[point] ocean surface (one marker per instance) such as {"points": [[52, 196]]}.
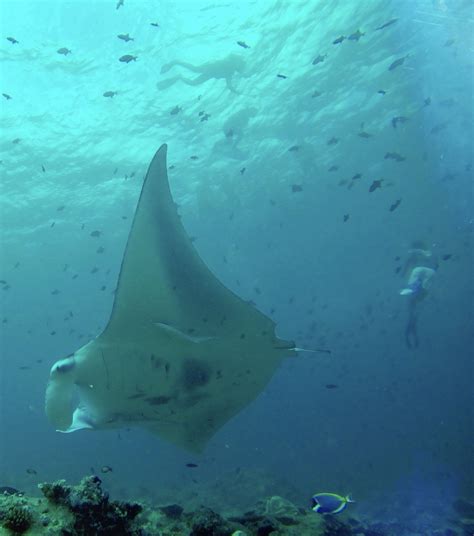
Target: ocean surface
{"points": [[315, 149]]}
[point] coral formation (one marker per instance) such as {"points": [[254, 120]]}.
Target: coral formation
{"points": [[17, 518], [85, 509]]}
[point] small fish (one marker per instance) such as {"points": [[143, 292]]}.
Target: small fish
{"points": [[331, 386], [192, 465], [448, 43], [393, 206], [381, 92], [7, 96], [356, 36], [376, 184], [397, 63], [96, 234], [427, 101], [339, 40], [106, 469], [316, 94], [446, 257], [296, 188], [363, 134], [332, 141], [31, 471], [242, 44], [329, 503], [294, 148], [61, 208], [357, 176], [398, 119], [387, 24], [16, 140], [64, 51], [100, 249], [125, 37], [398, 269], [155, 24], [127, 58], [435, 130], [394, 156], [43, 168], [319, 59], [346, 217], [194, 157], [12, 40], [110, 94], [282, 76], [119, 4], [175, 110], [333, 168], [242, 170]]}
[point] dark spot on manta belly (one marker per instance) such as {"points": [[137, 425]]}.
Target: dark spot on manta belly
{"points": [[194, 374]]}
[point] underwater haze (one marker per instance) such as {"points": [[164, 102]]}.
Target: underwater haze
{"points": [[319, 152]]}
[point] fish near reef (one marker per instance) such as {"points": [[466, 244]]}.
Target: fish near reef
{"points": [[329, 503]]}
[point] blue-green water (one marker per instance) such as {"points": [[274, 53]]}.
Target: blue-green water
{"points": [[280, 204]]}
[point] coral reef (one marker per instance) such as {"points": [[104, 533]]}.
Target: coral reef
{"points": [[17, 518], [85, 509]]}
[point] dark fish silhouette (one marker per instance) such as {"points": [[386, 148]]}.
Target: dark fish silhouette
{"points": [[356, 36], [397, 63], [296, 188], [387, 24], [110, 94], [346, 217], [319, 59], [125, 37], [393, 206], [339, 40], [96, 234], [333, 168], [294, 148], [398, 119], [316, 94], [332, 141], [8, 97], [449, 42], [376, 184], [381, 92], [175, 110], [127, 58], [64, 51], [357, 176], [192, 465], [155, 24], [119, 4], [364, 134], [446, 257], [427, 101], [281, 76], [242, 44], [394, 156], [12, 40]]}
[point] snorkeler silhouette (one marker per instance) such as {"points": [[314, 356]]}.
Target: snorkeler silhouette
{"points": [[224, 68], [420, 266]]}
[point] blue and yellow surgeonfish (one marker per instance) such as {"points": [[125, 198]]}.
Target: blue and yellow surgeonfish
{"points": [[330, 503]]}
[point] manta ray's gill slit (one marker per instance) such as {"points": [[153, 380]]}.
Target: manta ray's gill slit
{"points": [[106, 370]]}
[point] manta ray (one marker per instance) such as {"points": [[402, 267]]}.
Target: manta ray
{"points": [[181, 354]]}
